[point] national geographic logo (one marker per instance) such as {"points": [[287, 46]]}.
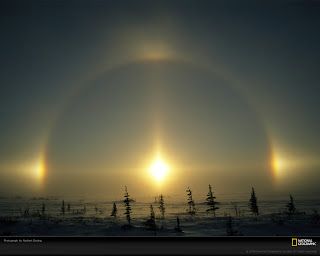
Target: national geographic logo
{"points": [[302, 242]]}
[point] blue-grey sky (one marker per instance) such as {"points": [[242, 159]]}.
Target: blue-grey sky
{"points": [[226, 91]]}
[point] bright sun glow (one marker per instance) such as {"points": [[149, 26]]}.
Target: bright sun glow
{"points": [[159, 170], [278, 164], [39, 169]]}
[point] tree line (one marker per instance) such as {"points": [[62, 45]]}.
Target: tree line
{"points": [[210, 201], [212, 206]]}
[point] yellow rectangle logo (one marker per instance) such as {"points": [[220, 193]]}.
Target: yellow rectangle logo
{"points": [[294, 241]]}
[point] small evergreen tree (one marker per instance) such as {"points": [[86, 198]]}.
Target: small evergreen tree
{"points": [[178, 228], [43, 209], [315, 217], [253, 203], [236, 209], [63, 208], [26, 212], [68, 207], [151, 222], [127, 205], [152, 215], [211, 202], [291, 206], [161, 206], [191, 204], [229, 227], [114, 211]]}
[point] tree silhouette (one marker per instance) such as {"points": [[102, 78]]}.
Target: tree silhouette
{"points": [[68, 207], [253, 203], [291, 206], [63, 208], [191, 204], [152, 216], [151, 222], [161, 206], [127, 205], [178, 228], [229, 227], [236, 209], [211, 202], [43, 209], [315, 217], [26, 212], [114, 211]]}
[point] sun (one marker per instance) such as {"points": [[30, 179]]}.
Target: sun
{"points": [[39, 170], [159, 170]]}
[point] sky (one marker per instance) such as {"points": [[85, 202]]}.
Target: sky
{"points": [[93, 93]]}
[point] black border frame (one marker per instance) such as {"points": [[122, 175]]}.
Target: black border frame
{"points": [[157, 245]]}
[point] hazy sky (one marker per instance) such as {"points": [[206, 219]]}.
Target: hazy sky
{"points": [[225, 92]]}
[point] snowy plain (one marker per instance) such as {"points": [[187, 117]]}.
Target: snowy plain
{"points": [[92, 218]]}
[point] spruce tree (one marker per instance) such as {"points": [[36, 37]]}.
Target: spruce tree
{"points": [[236, 209], [127, 206], [191, 204], [63, 208], [211, 202], [253, 203], [43, 209], [229, 227], [114, 211], [161, 206], [151, 222], [152, 217], [178, 227], [291, 206]]}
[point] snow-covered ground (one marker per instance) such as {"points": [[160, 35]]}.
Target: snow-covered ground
{"points": [[96, 220]]}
